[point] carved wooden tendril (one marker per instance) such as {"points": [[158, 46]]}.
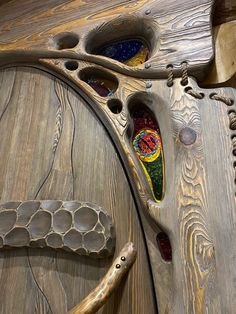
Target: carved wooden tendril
{"points": [[97, 298]]}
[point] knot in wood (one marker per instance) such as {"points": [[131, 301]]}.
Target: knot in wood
{"points": [[187, 136]]}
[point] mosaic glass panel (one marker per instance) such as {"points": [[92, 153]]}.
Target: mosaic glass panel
{"points": [[131, 52], [148, 148], [103, 87]]}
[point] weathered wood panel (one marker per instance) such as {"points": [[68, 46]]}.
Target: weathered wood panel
{"points": [[85, 166]]}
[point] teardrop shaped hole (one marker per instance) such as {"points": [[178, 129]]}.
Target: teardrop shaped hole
{"points": [[115, 105], [65, 41], [71, 65]]}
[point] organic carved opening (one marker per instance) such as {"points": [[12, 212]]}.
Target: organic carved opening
{"points": [[71, 65], [129, 40], [164, 246], [104, 83], [147, 144], [115, 105], [66, 41]]}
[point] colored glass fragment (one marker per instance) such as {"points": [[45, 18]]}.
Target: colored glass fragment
{"points": [[102, 86], [132, 52], [164, 246], [139, 58], [148, 148]]}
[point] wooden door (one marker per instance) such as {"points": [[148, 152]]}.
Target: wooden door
{"points": [[53, 146]]}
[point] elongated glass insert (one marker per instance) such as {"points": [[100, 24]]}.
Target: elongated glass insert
{"points": [[131, 52], [102, 86], [148, 148], [164, 246], [102, 82]]}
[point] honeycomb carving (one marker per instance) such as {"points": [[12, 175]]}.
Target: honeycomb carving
{"points": [[83, 228]]}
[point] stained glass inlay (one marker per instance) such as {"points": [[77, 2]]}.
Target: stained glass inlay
{"points": [[148, 147], [131, 52], [103, 87], [164, 245]]}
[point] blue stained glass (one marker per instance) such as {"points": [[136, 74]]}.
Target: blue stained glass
{"points": [[122, 50]]}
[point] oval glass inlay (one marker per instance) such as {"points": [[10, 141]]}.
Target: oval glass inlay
{"points": [[131, 52], [103, 82], [102, 86], [148, 148]]}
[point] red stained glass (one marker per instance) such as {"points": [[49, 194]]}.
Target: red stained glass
{"points": [[164, 246]]}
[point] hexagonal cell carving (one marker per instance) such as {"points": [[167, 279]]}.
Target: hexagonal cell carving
{"points": [[17, 237], [85, 219], [73, 205], [94, 241], [40, 224], [25, 211], [7, 220], [73, 239], [51, 206], [81, 227], [54, 240], [62, 221], [10, 205]]}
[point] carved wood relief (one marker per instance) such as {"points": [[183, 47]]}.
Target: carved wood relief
{"points": [[136, 65], [82, 228]]}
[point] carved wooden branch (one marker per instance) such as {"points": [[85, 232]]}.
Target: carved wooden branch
{"points": [[97, 298], [83, 228]]}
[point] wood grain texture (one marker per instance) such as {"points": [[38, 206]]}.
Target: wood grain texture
{"points": [[42, 281], [176, 31], [198, 213]]}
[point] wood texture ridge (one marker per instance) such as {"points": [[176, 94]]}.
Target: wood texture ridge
{"points": [[171, 28], [109, 283], [83, 228]]}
